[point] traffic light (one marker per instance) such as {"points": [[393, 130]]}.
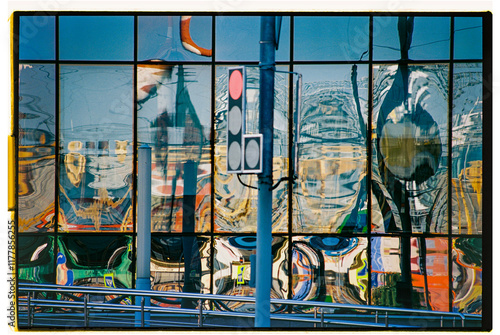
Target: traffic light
{"points": [[252, 153], [235, 119]]}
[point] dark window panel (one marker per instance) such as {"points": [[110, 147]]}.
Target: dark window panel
{"points": [[95, 260], [232, 271], [180, 264], [96, 38], [467, 266], [332, 269], [36, 259], [37, 38]]}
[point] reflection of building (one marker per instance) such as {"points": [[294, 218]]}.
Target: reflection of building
{"points": [[366, 222]]}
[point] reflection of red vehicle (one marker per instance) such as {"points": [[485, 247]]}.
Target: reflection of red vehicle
{"points": [[436, 277]]}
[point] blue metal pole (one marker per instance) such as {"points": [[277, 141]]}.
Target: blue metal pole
{"points": [[265, 196], [143, 281]]}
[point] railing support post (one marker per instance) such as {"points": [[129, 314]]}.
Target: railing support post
{"points": [[142, 311], [200, 315], [85, 311], [376, 316], [386, 319], [315, 316], [322, 317], [29, 310]]}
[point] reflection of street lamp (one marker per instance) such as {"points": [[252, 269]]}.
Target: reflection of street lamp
{"points": [[143, 281]]}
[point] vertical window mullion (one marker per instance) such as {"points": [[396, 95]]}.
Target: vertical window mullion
{"points": [[369, 157], [451, 65]]}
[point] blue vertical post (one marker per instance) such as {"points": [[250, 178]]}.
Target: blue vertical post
{"points": [[265, 195], [143, 281]]}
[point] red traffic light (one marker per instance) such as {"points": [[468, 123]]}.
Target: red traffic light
{"points": [[236, 84]]}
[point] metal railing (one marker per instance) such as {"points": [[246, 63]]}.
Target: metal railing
{"points": [[55, 306]]}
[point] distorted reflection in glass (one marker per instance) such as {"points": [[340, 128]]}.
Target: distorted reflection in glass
{"points": [[233, 271], [98, 38], [175, 38], [180, 264], [338, 38], [330, 192], [467, 270], [36, 259], [236, 204], [96, 261], [430, 277], [467, 149], [237, 38], [36, 169], [331, 269], [96, 135], [385, 271], [410, 109], [37, 37], [468, 42], [174, 119]]}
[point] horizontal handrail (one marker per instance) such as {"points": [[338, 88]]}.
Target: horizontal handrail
{"points": [[199, 312]]}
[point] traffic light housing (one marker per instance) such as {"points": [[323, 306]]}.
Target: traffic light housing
{"points": [[235, 118]]}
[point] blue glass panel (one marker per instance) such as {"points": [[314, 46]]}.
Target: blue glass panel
{"points": [[331, 38], [160, 38], [238, 37], [107, 38], [431, 38], [175, 120], [467, 164], [96, 134], [426, 38], [36, 147], [37, 37], [468, 38], [330, 192]]}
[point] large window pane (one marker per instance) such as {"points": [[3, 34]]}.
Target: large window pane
{"points": [[467, 164], [330, 193], [468, 38], [319, 38], [180, 264], [36, 147], [95, 260], [467, 269], [232, 271], [410, 124], [331, 269], [105, 38], [159, 38], [237, 38], [96, 148], [36, 259], [236, 204], [174, 119], [37, 37], [424, 38]]}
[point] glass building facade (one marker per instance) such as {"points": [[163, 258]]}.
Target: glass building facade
{"points": [[386, 207]]}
